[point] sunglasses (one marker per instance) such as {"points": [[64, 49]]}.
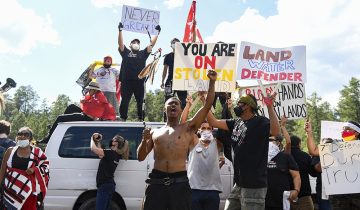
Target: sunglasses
{"points": [[23, 133]]}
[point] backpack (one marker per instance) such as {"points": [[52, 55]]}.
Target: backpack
{"points": [[5, 143]]}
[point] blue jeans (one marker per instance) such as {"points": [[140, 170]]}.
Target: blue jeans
{"points": [[205, 200], [323, 204], [246, 199], [103, 196]]}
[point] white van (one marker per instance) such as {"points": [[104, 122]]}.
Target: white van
{"points": [[73, 167]]}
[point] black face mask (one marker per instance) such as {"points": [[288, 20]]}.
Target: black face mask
{"points": [[107, 65], [238, 110]]}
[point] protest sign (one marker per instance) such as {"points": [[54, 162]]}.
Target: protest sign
{"points": [[290, 101], [340, 163], [137, 19], [257, 62], [192, 60], [331, 129]]}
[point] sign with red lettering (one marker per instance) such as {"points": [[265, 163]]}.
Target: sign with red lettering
{"points": [[290, 99], [257, 62], [192, 60], [138, 19]]}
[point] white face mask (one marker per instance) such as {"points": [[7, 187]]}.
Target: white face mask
{"points": [[206, 135], [173, 46], [135, 46], [23, 143]]}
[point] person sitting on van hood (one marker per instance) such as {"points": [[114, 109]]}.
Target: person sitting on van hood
{"points": [[119, 149], [94, 106]]}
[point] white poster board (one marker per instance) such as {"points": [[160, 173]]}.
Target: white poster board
{"points": [[331, 129], [192, 60], [340, 163], [290, 100], [274, 65], [137, 19]]}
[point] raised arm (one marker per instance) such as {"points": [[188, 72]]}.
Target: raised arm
{"points": [[120, 37], [274, 123], [285, 134], [91, 71], [154, 39], [95, 145], [199, 117], [146, 145], [313, 149], [165, 71], [185, 113]]}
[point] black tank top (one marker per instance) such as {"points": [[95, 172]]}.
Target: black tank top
{"points": [[20, 162]]}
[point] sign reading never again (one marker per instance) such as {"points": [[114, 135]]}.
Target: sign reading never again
{"points": [[290, 99], [192, 60], [137, 19]]}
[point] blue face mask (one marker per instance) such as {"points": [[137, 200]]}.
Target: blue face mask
{"points": [[23, 143]]}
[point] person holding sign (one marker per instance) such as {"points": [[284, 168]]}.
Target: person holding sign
{"points": [[133, 61], [351, 131], [168, 185], [169, 71], [250, 143]]}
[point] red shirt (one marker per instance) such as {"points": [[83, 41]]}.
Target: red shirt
{"points": [[98, 106]]}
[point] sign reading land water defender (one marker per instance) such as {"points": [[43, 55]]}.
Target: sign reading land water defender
{"points": [[257, 62], [137, 19], [192, 61], [290, 101]]}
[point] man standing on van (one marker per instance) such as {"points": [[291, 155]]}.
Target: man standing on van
{"points": [[168, 186], [119, 149]]}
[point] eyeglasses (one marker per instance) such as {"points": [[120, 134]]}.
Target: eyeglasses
{"points": [[23, 133]]}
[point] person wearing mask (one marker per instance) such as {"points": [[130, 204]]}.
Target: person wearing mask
{"points": [[305, 167], [25, 172], [109, 160], [107, 77], [350, 132], [168, 73], [281, 166], [250, 144], [133, 61]]}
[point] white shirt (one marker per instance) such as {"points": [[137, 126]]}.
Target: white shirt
{"points": [[106, 78], [203, 169]]}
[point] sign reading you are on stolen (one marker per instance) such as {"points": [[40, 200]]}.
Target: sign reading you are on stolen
{"points": [[193, 60], [340, 163], [137, 19]]}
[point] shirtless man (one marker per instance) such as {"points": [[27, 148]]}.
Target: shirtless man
{"points": [[168, 186]]}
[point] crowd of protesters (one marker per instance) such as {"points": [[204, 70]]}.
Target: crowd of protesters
{"points": [[268, 173]]}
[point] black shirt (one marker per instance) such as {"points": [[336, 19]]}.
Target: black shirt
{"points": [[132, 64], [278, 178], [169, 60], [250, 143], [107, 167], [304, 162]]}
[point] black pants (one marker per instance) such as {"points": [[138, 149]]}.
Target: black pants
{"points": [[128, 88], [176, 196]]}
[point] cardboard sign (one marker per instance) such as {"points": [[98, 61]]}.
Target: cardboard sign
{"points": [[137, 19], [331, 129], [192, 60], [290, 101], [257, 62], [340, 163]]}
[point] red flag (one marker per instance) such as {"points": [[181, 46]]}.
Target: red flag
{"points": [[189, 27]]}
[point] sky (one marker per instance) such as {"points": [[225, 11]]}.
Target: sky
{"points": [[48, 44]]}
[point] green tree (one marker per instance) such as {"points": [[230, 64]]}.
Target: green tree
{"points": [[349, 103], [25, 99]]}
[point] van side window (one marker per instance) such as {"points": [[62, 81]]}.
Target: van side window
{"points": [[76, 141]]}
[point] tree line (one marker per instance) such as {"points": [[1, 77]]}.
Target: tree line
{"points": [[24, 108]]}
